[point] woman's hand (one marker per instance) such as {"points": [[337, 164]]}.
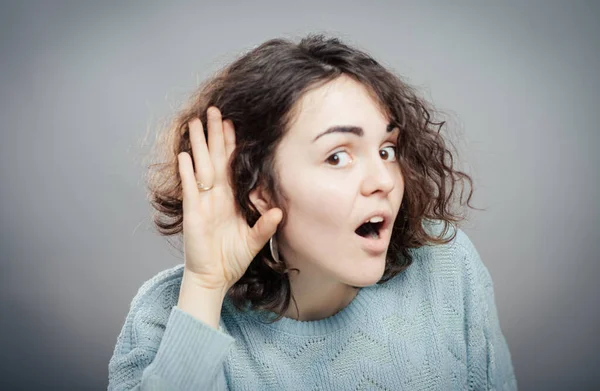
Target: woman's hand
{"points": [[218, 243]]}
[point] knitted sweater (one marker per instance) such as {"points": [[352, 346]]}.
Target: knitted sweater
{"points": [[434, 326]]}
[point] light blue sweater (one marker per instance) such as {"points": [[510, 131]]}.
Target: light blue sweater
{"points": [[432, 327]]}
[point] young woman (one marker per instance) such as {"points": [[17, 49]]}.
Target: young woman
{"points": [[308, 173]]}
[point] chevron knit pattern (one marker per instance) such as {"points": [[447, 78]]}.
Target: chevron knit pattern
{"points": [[432, 327]]}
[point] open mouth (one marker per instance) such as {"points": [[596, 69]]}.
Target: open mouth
{"points": [[369, 230]]}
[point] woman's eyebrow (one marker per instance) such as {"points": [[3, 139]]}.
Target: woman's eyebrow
{"points": [[357, 130]]}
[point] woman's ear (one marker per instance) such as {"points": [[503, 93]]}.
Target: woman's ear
{"points": [[260, 200]]}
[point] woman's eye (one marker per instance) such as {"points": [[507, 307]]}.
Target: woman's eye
{"points": [[336, 159], [386, 155]]}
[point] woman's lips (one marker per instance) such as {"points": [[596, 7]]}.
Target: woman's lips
{"points": [[375, 245]]}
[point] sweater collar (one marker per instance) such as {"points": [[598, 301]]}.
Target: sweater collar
{"points": [[355, 312]]}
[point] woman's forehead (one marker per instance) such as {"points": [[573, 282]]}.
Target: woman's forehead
{"points": [[342, 101]]}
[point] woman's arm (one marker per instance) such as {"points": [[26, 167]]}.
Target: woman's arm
{"points": [[161, 347], [489, 361]]}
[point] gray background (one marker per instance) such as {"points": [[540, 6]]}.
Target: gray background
{"points": [[84, 87]]}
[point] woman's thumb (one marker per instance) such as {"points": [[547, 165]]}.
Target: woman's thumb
{"points": [[266, 226]]}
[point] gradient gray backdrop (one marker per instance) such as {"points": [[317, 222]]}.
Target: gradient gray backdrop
{"points": [[81, 83]]}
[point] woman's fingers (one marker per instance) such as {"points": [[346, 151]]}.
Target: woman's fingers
{"points": [[229, 134], [211, 157], [188, 181], [204, 167], [216, 143]]}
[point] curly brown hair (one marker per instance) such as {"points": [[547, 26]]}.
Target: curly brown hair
{"points": [[258, 93]]}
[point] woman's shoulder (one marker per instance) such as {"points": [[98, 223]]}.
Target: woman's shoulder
{"points": [[162, 279], [159, 293], [456, 259], [148, 314]]}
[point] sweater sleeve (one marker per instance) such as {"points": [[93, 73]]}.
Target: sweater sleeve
{"points": [[489, 361], [161, 347]]}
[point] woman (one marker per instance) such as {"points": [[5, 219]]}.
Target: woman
{"points": [[320, 179]]}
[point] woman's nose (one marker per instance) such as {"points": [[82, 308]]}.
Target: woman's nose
{"points": [[378, 176]]}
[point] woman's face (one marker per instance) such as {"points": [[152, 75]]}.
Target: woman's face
{"points": [[333, 182]]}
